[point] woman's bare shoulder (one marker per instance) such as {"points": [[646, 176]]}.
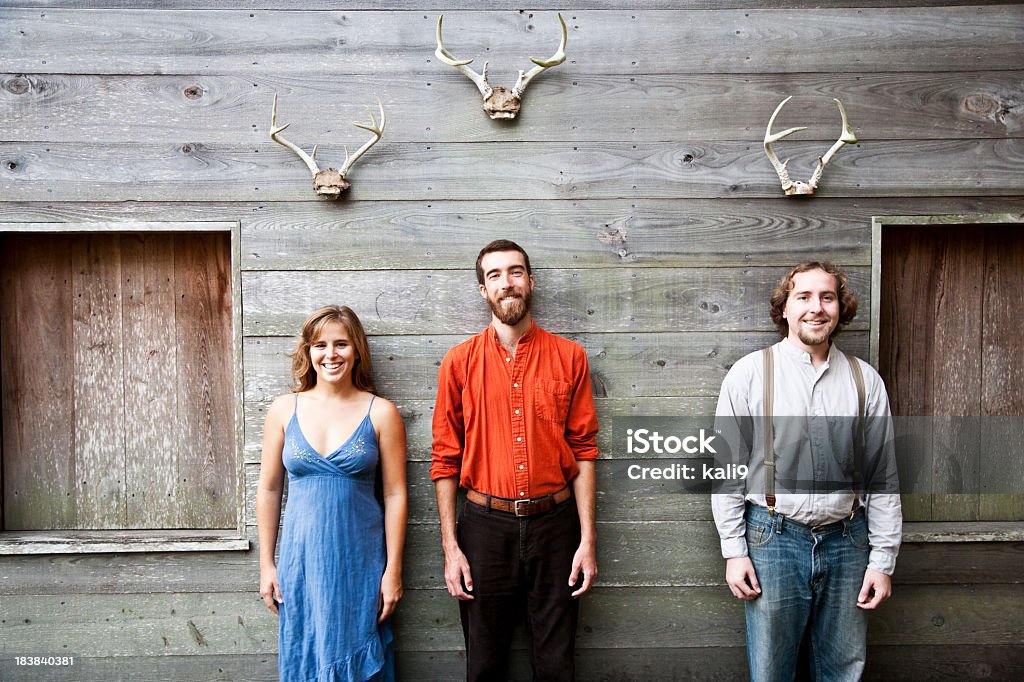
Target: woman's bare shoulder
{"points": [[384, 410], [281, 407]]}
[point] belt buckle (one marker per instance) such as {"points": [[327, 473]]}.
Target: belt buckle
{"points": [[521, 502]]}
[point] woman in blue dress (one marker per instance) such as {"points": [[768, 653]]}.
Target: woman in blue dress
{"points": [[339, 574]]}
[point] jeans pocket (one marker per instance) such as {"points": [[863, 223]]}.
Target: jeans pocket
{"points": [[758, 536], [857, 533]]}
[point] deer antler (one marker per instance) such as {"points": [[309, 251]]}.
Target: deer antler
{"points": [[847, 136], [462, 65], [790, 186], [330, 182], [542, 65], [373, 128], [275, 135]]}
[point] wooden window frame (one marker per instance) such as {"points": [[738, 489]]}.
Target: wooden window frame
{"points": [[172, 540], [935, 531]]}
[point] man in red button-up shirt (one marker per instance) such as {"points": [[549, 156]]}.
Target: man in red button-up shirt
{"points": [[515, 425]]}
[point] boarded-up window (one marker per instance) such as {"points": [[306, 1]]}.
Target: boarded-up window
{"points": [[950, 351], [117, 381]]}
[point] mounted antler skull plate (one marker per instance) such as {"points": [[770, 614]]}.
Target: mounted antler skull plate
{"points": [[499, 101], [329, 183], [796, 187]]}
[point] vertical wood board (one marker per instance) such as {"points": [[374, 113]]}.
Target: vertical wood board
{"points": [[38, 388], [151, 451], [98, 364], [204, 383]]}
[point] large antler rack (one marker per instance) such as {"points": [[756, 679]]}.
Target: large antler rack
{"points": [[796, 187], [499, 101], [330, 182]]}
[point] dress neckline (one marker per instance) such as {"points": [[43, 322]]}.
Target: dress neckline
{"points": [[298, 425]]}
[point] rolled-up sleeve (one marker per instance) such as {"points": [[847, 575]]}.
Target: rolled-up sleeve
{"points": [[447, 423], [581, 423]]}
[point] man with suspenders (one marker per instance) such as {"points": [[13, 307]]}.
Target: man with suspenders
{"points": [[810, 537]]}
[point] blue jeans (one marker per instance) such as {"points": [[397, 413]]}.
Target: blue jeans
{"points": [[810, 578]]}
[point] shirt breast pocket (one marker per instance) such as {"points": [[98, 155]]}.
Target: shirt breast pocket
{"points": [[552, 400]]}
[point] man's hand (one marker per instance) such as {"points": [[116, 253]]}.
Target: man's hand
{"points": [[742, 580], [876, 589], [456, 572], [585, 561]]}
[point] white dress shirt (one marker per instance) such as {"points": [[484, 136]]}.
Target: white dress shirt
{"points": [[805, 398]]}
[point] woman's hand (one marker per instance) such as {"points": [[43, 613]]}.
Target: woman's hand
{"points": [[390, 594], [270, 590]]}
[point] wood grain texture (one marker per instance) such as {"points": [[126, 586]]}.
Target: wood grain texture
{"points": [[98, 362], [912, 664], [1002, 347], [117, 466], [151, 462], [36, 343], [381, 235], [487, 5], [381, 43], [78, 171], [945, 300], [206, 462], [444, 107], [597, 233], [565, 300], [1002, 374]]}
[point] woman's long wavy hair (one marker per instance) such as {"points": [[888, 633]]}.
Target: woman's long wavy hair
{"points": [[303, 373], [847, 299]]}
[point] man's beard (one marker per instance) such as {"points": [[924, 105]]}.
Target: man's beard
{"points": [[514, 311], [814, 338]]}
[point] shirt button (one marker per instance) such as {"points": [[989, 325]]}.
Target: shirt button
{"points": [[508, 359], [521, 466], [517, 411], [519, 439], [515, 385], [522, 494]]}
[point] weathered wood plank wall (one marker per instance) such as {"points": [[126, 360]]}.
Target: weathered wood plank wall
{"points": [[636, 178]]}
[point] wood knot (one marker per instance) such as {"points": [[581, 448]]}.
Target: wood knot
{"points": [[186, 149], [981, 104], [18, 85], [193, 92]]}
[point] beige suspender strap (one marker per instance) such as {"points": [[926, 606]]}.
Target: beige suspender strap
{"points": [[769, 434], [858, 440], [769, 430]]}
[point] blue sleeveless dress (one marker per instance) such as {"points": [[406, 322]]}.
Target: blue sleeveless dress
{"points": [[331, 561]]}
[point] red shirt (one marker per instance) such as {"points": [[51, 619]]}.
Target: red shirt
{"points": [[513, 427]]}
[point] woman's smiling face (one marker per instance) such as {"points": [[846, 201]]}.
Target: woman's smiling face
{"points": [[332, 354]]}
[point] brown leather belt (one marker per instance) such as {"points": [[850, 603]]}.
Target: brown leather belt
{"points": [[536, 505]]}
